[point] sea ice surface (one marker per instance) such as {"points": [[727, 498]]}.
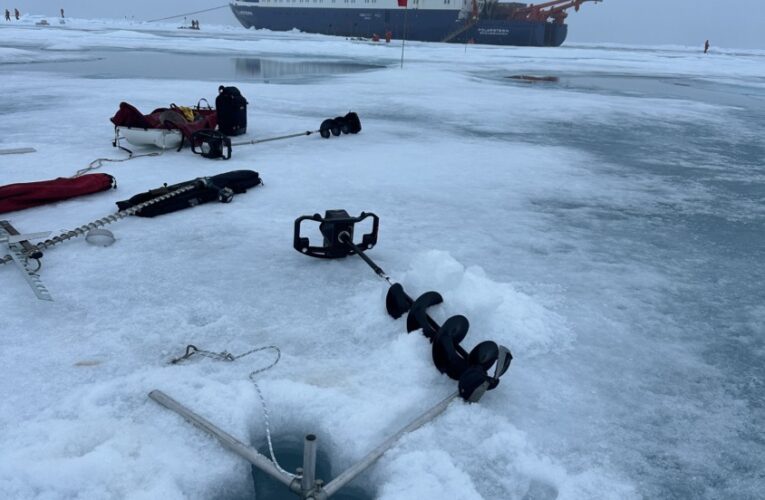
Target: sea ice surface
{"points": [[608, 227]]}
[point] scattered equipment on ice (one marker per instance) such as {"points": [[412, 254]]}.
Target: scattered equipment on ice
{"points": [[155, 202], [207, 130], [470, 369]]}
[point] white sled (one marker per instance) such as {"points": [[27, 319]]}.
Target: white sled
{"points": [[159, 137]]}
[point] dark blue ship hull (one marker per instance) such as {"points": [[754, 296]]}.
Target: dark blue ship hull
{"points": [[422, 25]]}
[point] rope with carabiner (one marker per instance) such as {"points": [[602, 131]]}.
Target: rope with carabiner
{"points": [[192, 350]]}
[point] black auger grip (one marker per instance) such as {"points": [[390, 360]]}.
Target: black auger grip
{"points": [[337, 228]]}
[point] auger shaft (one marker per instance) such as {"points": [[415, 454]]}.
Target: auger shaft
{"points": [[258, 141], [346, 238]]}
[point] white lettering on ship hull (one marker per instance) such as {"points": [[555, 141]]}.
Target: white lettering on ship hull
{"points": [[493, 31]]}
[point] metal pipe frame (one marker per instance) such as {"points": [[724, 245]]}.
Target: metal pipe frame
{"points": [[227, 440], [308, 481], [260, 141], [307, 487], [349, 474]]}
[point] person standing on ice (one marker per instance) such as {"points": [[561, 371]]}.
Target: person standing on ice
{"points": [[62, 13], [7, 15], [706, 46], [16, 13]]}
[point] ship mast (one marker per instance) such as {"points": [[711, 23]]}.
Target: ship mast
{"points": [[555, 10]]}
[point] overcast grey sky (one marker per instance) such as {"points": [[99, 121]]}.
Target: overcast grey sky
{"points": [[738, 23]]}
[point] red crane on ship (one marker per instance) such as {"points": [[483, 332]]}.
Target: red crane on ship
{"points": [[555, 10]]}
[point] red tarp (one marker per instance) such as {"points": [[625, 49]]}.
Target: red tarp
{"points": [[31, 194], [129, 116]]}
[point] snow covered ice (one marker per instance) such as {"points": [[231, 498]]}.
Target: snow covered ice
{"points": [[607, 227]]}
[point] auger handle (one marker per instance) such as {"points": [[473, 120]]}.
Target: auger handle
{"points": [[335, 249]]}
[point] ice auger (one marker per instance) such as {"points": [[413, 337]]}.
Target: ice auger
{"points": [[214, 144], [470, 369]]}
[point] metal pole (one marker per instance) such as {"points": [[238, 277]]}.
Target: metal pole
{"points": [[17, 151], [227, 440], [309, 465], [403, 40], [258, 141], [368, 460]]}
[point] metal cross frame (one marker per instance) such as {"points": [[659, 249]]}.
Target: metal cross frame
{"points": [[21, 251]]}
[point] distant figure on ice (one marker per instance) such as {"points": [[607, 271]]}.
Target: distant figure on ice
{"points": [[62, 13], [16, 13], [706, 46], [7, 15]]}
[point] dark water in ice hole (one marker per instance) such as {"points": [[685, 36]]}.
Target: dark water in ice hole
{"points": [[289, 453], [218, 68]]}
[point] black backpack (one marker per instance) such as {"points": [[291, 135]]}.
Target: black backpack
{"points": [[231, 107]]}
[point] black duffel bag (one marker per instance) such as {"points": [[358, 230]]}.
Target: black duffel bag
{"points": [[231, 107], [221, 187]]}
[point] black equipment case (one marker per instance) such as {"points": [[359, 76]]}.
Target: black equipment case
{"points": [[232, 111]]}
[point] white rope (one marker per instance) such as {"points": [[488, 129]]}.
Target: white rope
{"points": [[99, 162], [225, 356]]}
